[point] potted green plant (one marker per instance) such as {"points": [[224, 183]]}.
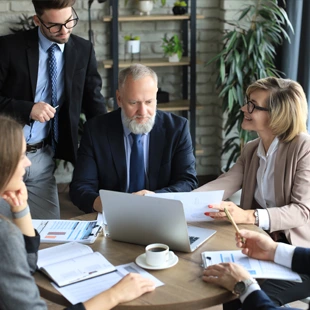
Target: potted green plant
{"points": [[163, 2], [146, 6], [172, 47], [179, 8], [132, 44], [247, 54]]}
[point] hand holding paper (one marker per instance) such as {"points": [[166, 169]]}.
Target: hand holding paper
{"points": [[195, 204], [239, 215]]}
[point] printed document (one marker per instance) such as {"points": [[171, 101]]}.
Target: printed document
{"points": [[82, 291], [60, 231], [195, 204], [258, 269]]}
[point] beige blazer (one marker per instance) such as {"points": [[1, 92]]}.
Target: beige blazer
{"points": [[291, 184]]}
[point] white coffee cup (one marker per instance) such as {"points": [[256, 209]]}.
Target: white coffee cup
{"points": [[157, 254]]}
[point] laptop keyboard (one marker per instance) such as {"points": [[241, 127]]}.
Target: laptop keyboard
{"points": [[192, 239]]}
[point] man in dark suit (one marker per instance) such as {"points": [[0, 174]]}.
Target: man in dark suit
{"points": [[106, 157], [26, 93], [236, 279]]}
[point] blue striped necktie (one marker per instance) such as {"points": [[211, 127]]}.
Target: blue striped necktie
{"points": [[53, 82], [137, 177]]}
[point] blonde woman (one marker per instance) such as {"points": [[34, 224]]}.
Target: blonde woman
{"points": [[19, 243], [273, 172]]}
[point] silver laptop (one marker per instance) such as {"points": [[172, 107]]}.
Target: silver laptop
{"points": [[144, 220]]}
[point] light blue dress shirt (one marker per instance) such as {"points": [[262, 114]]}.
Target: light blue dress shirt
{"points": [[37, 131]]}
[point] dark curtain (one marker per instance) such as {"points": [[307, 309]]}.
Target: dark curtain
{"points": [[293, 59]]}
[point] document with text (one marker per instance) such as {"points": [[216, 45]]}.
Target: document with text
{"points": [[60, 231], [258, 269], [82, 291], [195, 204]]}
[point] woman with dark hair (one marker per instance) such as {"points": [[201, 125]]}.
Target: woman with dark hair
{"points": [[19, 243], [273, 172]]}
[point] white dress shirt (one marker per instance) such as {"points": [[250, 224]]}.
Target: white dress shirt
{"points": [[283, 256], [265, 192]]}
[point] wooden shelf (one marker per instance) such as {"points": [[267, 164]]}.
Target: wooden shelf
{"points": [[137, 18], [189, 61], [150, 62], [199, 150], [175, 105]]}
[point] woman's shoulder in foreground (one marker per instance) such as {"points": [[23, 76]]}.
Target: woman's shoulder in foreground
{"points": [[5, 224], [8, 230]]}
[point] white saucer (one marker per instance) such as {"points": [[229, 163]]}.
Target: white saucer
{"points": [[140, 261]]}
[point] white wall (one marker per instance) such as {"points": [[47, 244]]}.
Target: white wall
{"points": [[209, 119]]}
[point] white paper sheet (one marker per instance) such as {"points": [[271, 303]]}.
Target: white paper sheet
{"points": [[195, 204], [82, 291]]}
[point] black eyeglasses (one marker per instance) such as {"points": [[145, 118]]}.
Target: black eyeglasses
{"points": [[251, 106], [57, 27]]}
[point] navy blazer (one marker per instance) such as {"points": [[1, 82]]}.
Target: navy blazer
{"points": [[19, 62], [258, 300], [101, 162]]}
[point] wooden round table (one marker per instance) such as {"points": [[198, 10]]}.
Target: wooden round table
{"points": [[183, 289]]}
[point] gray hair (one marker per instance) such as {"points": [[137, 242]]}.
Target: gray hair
{"points": [[137, 71]]}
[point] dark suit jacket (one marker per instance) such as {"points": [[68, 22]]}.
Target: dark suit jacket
{"points": [[258, 300], [19, 60], [101, 162]]}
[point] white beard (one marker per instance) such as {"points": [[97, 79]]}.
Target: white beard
{"points": [[136, 128]]}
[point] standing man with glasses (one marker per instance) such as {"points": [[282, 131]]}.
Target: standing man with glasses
{"points": [[47, 77], [273, 172]]}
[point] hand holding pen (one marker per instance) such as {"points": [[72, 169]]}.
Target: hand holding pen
{"points": [[234, 223], [42, 112], [258, 245]]}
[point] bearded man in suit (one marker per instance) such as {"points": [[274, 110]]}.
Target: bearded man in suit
{"points": [[108, 159]]}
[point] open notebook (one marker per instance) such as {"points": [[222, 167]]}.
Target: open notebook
{"points": [[72, 262]]}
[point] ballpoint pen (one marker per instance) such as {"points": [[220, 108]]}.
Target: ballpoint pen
{"points": [[233, 222]]}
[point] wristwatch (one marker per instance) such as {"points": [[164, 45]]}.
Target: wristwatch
{"points": [[256, 217], [242, 286]]}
